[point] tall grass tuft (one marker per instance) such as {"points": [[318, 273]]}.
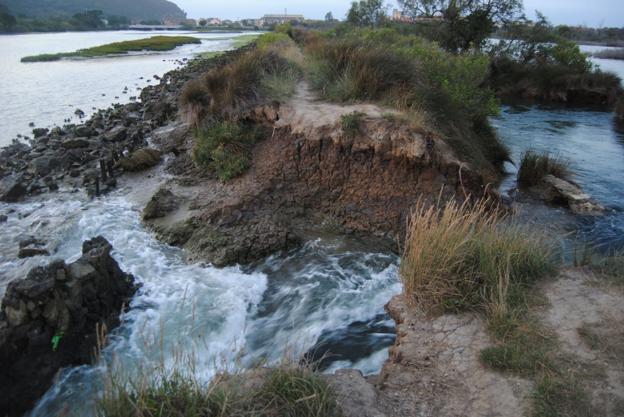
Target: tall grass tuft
{"points": [[463, 256], [287, 391], [266, 74], [534, 167]]}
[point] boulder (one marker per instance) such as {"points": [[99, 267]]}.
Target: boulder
{"points": [[116, 134], [566, 193], [75, 143], [3, 218], [48, 321], [11, 189], [161, 203], [140, 160], [39, 132], [44, 165], [84, 131]]}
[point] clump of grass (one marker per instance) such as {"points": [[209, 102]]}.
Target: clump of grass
{"points": [[559, 397], [155, 43], [351, 123], [284, 392], [462, 257], [224, 147], [257, 77], [534, 167]]}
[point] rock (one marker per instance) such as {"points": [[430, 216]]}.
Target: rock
{"points": [[76, 143], [31, 252], [3, 218], [65, 302], [355, 396], [116, 134], [32, 247], [11, 189], [161, 203], [140, 160], [44, 165], [84, 131], [39, 132], [562, 192]]}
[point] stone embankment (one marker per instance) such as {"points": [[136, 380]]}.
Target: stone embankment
{"points": [[53, 319]]}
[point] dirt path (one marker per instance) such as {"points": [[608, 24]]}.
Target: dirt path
{"points": [[588, 317]]}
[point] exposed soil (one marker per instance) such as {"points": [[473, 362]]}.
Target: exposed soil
{"points": [[588, 317], [309, 174]]}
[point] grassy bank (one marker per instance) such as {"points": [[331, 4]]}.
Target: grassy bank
{"points": [[155, 43], [470, 257], [442, 93]]}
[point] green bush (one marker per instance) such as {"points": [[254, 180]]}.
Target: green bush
{"points": [[224, 147]]}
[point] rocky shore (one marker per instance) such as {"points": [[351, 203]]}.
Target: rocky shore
{"points": [[56, 317]]}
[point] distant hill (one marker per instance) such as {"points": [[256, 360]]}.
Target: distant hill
{"points": [[135, 10]]}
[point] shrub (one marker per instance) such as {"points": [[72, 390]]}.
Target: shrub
{"points": [[284, 392], [534, 167], [224, 147], [610, 54], [255, 77], [351, 123], [462, 256]]}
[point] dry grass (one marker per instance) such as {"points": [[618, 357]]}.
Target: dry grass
{"points": [[263, 75], [534, 167], [287, 391], [461, 256]]}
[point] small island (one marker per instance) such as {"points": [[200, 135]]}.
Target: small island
{"points": [[155, 43]]}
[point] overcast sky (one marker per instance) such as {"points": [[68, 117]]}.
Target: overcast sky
{"points": [[583, 12]]}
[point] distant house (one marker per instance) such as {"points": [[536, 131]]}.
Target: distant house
{"points": [[213, 21], [190, 22], [278, 19], [400, 16]]}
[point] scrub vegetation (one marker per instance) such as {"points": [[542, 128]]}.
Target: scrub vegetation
{"points": [[155, 43]]}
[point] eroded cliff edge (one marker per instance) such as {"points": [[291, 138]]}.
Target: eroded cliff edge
{"points": [[306, 176]]}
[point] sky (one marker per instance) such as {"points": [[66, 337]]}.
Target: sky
{"points": [[595, 13]]}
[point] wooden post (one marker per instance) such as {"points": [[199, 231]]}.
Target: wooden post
{"points": [[97, 186], [103, 170]]}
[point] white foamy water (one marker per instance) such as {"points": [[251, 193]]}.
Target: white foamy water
{"points": [[227, 318]]}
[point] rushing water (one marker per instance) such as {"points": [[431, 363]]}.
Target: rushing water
{"points": [[46, 93], [326, 297]]}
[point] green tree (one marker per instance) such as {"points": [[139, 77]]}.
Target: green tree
{"points": [[203, 22], [7, 20], [91, 19], [329, 17], [367, 13], [467, 23]]}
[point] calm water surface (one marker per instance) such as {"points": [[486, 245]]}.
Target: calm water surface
{"points": [[46, 93]]}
